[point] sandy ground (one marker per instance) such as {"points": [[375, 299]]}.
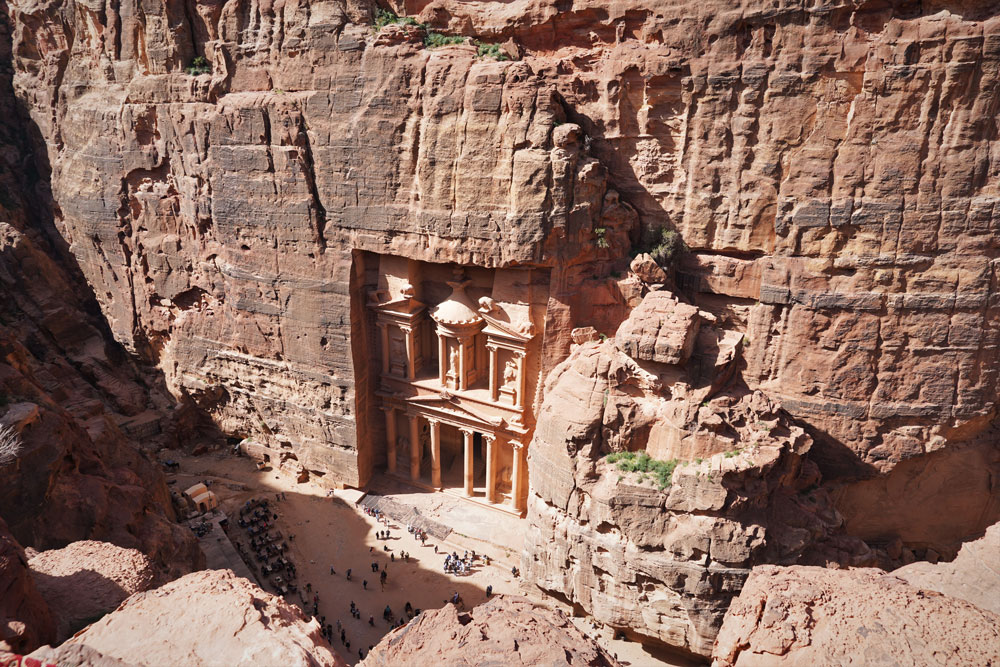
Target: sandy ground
{"points": [[330, 530]]}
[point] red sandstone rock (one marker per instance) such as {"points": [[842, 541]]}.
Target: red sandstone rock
{"points": [[973, 576], [209, 617], [818, 616], [661, 329], [829, 170], [505, 630], [87, 579], [665, 563], [25, 620]]}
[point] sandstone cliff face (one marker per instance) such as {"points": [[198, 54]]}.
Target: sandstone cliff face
{"points": [[816, 616], [503, 631], [210, 617], [64, 385], [829, 164], [664, 563]]}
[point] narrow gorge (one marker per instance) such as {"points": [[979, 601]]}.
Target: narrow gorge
{"points": [[681, 318]]}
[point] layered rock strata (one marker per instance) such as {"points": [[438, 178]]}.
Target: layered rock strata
{"points": [[68, 471], [817, 616], [826, 163], [505, 630], [209, 617], [663, 562]]}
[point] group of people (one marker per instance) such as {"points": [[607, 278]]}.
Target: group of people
{"points": [[418, 534], [267, 546], [459, 566]]}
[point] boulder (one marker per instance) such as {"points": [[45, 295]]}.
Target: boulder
{"points": [[503, 631], [816, 616], [647, 270], [209, 617], [85, 580], [661, 329]]}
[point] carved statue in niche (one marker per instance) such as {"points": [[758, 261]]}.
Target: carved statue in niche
{"points": [[453, 360], [509, 373], [397, 349]]}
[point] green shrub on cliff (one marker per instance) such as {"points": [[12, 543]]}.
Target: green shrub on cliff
{"points": [[643, 463], [663, 245], [434, 39], [491, 51], [199, 66]]}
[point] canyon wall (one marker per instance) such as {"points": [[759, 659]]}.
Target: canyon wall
{"points": [[68, 469], [831, 166]]}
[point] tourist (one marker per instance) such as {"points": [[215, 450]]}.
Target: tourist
{"points": [[332, 571], [489, 590], [364, 584], [348, 574], [371, 620], [361, 654]]}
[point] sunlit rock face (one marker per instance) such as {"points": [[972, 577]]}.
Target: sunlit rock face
{"points": [[830, 167]]}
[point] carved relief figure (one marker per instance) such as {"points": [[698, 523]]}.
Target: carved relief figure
{"points": [[509, 373], [453, 360]]}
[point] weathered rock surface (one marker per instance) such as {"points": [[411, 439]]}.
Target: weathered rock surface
{"points": [[75, 655], [25, 619], [819, 616], [827, 165], [209, 617], [974, 575], [503, 631], [64, 383], [663, 564], [85, 580]]}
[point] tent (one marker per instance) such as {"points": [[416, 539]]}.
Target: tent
{"points": [[202, 498]]}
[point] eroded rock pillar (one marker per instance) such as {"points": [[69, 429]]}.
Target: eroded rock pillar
{"points": [[469, 461], [435, 453], [491, 468], [414, 447], [390, 439]]}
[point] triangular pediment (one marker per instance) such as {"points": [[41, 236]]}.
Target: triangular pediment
{"points": [[506, 329], [452, 403]]}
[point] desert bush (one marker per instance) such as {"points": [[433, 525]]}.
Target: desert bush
{"points": [[644, 464], [199, 66], [434, 39], [491, 51], [10, 444]]}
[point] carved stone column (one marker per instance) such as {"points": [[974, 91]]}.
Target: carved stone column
{"points": [[491, 467], [384, 329], [414, 447], [469, 478], [520, 380], [411, 353], [435, 453], [390, 438], [443, 360], [517, 478], [494, 362], [463, 377]]}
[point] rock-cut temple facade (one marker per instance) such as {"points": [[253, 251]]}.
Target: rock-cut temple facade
{"points": [[457, 375]]}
